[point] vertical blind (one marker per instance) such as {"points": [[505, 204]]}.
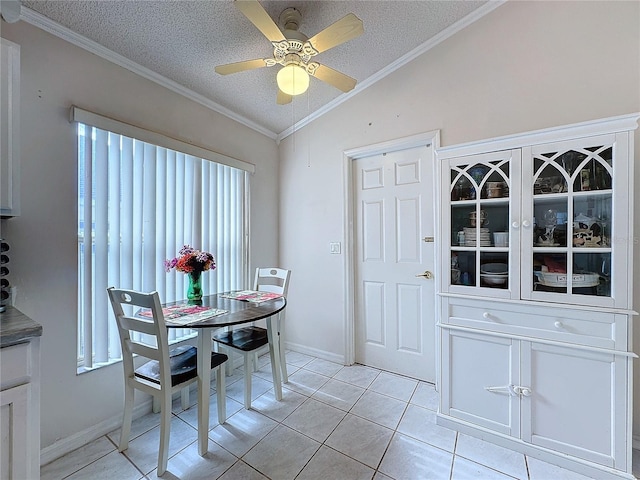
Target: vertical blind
{"points": [[138, 204]]}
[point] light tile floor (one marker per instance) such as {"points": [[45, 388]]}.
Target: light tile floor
{"points": [[334, 423]]}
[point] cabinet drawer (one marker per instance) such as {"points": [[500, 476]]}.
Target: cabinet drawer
{"points": [[15, 365], [598, 329]]}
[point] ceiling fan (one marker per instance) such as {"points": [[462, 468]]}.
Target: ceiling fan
{"points": [[294, 50]]}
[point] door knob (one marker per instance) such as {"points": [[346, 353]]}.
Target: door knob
{"points": [[427, 274]]}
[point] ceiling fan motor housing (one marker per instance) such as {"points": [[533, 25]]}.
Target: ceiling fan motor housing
{"points": [[290, 19]]}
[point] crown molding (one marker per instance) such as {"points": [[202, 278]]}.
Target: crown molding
{"points": [[461, 24], [40, 21]]}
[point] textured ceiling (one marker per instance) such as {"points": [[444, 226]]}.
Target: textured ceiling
{"points": [[184, 40]]}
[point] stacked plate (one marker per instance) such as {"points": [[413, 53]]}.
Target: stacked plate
{"points": [[470, 239]]}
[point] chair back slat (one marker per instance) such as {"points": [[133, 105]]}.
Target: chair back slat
{"points": [[144, 350], [138, 325], [158, 346], [274, 280]]}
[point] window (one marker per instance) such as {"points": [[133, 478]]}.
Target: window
{"points": [[138, 204]]}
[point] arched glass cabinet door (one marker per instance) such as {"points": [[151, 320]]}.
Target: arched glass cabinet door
{"points": [[482, 248], [574, 216]]}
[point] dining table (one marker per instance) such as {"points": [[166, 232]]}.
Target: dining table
{"points": [[219, 311]]}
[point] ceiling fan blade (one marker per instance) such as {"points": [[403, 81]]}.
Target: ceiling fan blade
{"points": [[261, 19], [333, 77], [240, 66], [345, 29], [283, 98]]}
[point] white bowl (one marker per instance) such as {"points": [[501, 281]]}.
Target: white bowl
{"points": [[492, 279], [495, 268]]}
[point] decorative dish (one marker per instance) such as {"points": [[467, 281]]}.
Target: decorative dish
{"points": [[549, 279]]}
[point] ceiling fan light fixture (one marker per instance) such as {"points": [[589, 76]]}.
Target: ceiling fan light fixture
{"points": [[293, 80]]}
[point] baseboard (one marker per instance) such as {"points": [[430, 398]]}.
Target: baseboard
{"points": [[314, 352], [80, 439]]}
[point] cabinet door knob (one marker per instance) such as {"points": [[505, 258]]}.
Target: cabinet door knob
{"points": [[487, 315], [515, 225], [526, 224], [525, 391], [558, 324]]}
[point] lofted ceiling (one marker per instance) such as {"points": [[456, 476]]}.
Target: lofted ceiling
{"points": [[178, 43]]}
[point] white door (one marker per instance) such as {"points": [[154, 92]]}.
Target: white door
{"points": [[394, 307]]}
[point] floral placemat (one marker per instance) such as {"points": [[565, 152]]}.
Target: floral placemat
{"points": [[185, 313], [251, 296]]}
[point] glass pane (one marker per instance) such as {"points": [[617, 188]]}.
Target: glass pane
{"points": [[595, 172], [496, 184], [550, 222], [493, 219], [478, 172], [461, 188], [494, 270], [550, 272], [549, 179], [460, 221], [592, 221], [592, 274], [466, 268], [570, 161]]}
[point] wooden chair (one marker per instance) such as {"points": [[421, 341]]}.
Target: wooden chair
{"points": [[167, 372], [249, 340]]}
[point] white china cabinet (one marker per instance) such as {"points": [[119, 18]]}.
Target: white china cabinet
{"points": [[536, 293]]}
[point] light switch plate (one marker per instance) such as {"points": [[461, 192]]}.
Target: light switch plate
{"points": [[334, 248]]}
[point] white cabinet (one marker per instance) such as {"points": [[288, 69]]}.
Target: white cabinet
{"points": [[536, 293], [562, 398], [13, 420], [19, 397], [9, 128]]}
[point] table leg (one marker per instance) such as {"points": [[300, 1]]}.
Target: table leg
{"points": [[204, 388], [274, 353]]}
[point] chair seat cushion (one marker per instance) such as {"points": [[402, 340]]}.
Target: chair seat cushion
{"points": [[184, 365], [245, 339]]}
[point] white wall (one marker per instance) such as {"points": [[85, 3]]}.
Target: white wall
{"points": [[55, 75], [525, 66]]}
